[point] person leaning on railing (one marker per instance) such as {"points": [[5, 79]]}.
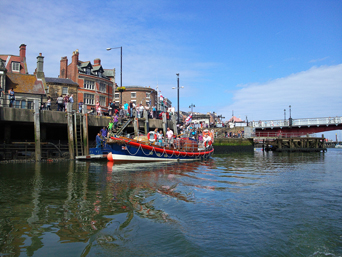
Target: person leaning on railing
{"points": [[11, 97]]}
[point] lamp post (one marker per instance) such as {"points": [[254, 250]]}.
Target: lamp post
{"points": [[284, 116], [214, 119], [290, 119], [191, 106], [108, 49], [177, 94]]}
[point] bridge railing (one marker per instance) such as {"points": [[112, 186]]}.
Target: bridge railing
{"points": [[297, 122], [264, 134]]}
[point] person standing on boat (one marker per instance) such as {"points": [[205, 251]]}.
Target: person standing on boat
{"points": [[160, 137], [104, 132], [169, 134], [98, 140]]}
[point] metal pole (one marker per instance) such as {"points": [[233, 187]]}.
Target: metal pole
{"points": [[290, 111], [178, 94], [121, 68]]}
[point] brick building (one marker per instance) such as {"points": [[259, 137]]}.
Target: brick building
{"points": [[16, 63], [13, 74], [138, 95], [95, 84]]}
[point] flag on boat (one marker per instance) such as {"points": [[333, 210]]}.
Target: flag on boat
{"points": [[189, 119]]}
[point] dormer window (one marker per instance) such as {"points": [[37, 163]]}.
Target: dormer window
{"points": [[99, 73], [16, 66], [88, 71]]}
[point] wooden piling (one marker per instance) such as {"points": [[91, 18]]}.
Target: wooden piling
{"points": [[164, 123], [36, 123], [70, 131], [85, 130], [147, 129], [175, 130]]}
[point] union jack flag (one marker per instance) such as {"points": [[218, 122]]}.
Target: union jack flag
{"points": [[188, 119]]}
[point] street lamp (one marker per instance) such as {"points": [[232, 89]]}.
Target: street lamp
{"points": [[284, 116], [191, 106], [108, 49], [290, 111], [177, 94], [290, 119]]}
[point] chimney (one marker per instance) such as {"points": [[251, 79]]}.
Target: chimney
{"points": [[40, 63], [63, 68], [22, 52], [74, 69], [97, 61]]}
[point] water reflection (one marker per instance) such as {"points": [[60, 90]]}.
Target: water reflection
{"points": [[76, 200], [90, 208]]}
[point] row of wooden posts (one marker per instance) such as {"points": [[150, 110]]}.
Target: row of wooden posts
{"points": [[71, 126]]}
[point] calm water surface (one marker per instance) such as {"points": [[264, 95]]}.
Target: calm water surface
{"points": [[254, 204]]}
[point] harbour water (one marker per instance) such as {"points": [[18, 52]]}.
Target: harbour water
{"points": [[253, 204]]}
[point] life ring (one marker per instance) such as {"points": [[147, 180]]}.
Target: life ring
{"points": [[152, 136], [207, 143]]}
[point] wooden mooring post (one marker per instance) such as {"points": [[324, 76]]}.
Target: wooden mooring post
{"points": [[296, 144], [36, 122]]}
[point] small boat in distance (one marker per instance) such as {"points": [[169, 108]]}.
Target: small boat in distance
{"points": [[338, 145]]}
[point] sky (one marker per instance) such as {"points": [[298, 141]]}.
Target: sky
{"points": [[250, 58]]}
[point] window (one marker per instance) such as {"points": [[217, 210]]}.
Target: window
{"points": [[135, 102], [88, 71], [16, 66], [16, 104], [133, 95], [88, 84], [30, 104], [64, 91], [117, 96], [99, 73], [148, 94], [89, 99], [102, 88], [102, 100], [23, 104]]}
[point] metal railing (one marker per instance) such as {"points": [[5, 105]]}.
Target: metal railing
{"points": [[297, 122], [264, 134]]}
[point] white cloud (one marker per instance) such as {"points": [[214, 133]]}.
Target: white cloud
{"points": [[313, 93]]}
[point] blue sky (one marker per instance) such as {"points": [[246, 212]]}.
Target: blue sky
{"points": [[251, 57]]}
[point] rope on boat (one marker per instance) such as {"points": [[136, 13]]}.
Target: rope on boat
{"points": [[205, 156], [135, 152]]}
